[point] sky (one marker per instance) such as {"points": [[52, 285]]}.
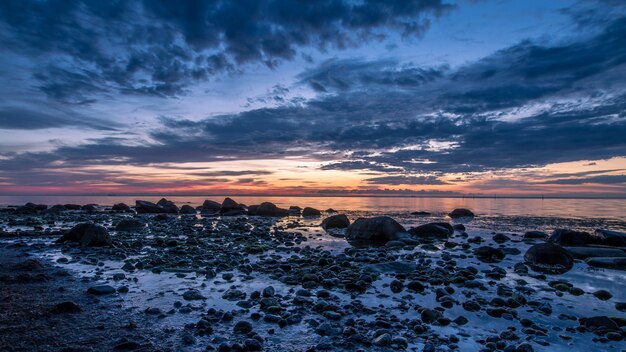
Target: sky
{"points": [[328, 97]]}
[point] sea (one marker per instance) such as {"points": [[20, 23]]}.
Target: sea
{"points": [[581, 208]]}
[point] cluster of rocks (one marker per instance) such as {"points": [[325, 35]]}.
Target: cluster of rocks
{"points": [[431, 259]]}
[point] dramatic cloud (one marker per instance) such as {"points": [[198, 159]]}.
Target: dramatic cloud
{"points": [[391, 121], [161, 47], [23, 119]]}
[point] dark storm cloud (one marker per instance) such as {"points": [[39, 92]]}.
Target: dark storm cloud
{"points": [[528, 105], [16, 118], [161, 47]]}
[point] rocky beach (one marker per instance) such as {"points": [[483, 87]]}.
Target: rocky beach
{"points": [[232, 277]]}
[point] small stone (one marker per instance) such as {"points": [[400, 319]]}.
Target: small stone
{"points": [[101, 290], [242, 327], [603, 295], [66, 307]]}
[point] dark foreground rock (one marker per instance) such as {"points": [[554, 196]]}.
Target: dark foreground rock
{"points": [[339, 221], [461, 213], [145, 207], [121, 207], [611, 238], [188, 209], [535, 235], [489, 254], [231, 208], [87, 234], [618, 263], [269, 209], [308, 211], [129, 225], [434, 229], [594, 252], [377, 229], [566, 237], [549, 258], [210, 207]]}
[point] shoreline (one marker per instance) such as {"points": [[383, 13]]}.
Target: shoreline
{"points": [[230, 277]]}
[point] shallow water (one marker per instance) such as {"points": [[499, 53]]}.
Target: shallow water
{"points": [[152, 290], [574, 208]]}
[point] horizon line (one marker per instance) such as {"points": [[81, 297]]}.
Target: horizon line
{"points": [[325, 196]]}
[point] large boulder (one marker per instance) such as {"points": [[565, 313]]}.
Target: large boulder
{"points": [[377, 229], [72, 206], [187, 209], [87, 234], [566, 237], [168, 206], [308, 211], [210, 207], [433, 229], [231, 208], [461, 213], [339, 221], [611, 238], [163, 207], [270, 209], [129, 225], [549, 258]]}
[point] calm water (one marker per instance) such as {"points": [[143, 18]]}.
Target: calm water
{"points": [[568, 208]]}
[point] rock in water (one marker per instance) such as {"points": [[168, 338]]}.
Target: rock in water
{"points": [[565, 237], [612, 238], [270, 209], [549, 258], [87, 234], [308, 211], [376, 229], [209, 207], [129, 225], [145, 207], [231, 208], [89, 208], [535, 234], [489, 254], [461, 213], [101, 290], [595, 252], [339, 221], [168, 206], [433, 229], [121, 207], [66, 307], [609, 263], [187, 209]]}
